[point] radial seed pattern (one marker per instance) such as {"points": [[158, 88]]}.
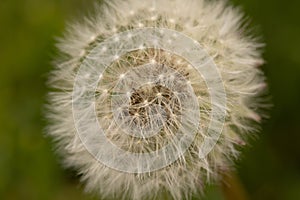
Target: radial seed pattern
{"points": [[155, 98]]}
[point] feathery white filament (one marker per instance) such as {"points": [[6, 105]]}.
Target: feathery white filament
{"points": [[155, 96]]}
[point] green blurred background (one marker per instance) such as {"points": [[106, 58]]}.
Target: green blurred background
{"points": [[29, 169]]}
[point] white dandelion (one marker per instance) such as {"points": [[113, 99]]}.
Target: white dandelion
{"points": [[155, 97]]}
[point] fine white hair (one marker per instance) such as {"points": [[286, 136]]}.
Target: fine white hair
{"points": [[159, 91]]}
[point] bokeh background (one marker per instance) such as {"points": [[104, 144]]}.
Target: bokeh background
{"points": [[29, 169]]}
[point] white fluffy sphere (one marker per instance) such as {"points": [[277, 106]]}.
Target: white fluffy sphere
{"points": [[155, 97]]}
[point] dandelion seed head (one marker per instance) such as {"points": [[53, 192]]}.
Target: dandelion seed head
{"points": [[155, 99]]}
